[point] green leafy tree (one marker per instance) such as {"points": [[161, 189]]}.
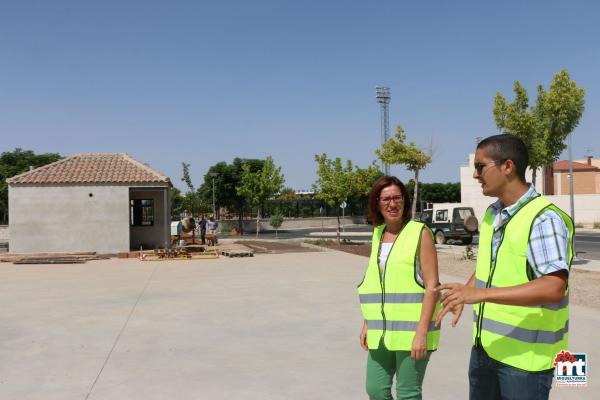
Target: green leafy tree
{"points": [[287, 194], [276, 221], [364, 179], [397, 151], [544, 126], [337, 182], [440, 192], [257, 187], [14, 163], [229, 177], [192, 200], [177, 206]]}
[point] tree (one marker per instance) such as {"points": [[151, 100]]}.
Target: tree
{"points": [[191, 200], [288, 194], [337, 183], [397, 151], [229, 177], [14, 163], [438, 192], [545, 126], [276, 221], [257, 187], [177, 205]]}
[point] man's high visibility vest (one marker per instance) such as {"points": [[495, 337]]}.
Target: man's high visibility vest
{"points": [[525, 337], [391, 304]]}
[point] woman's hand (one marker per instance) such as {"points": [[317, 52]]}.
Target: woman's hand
{"points": [[363, 337], [456, 311], [419, 346]]}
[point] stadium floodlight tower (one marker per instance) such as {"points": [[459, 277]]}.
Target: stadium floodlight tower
{"points": [[383, 97]]}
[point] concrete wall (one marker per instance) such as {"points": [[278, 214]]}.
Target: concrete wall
{"points": [[291, 223], [158, 235], [4, 233], [68, 219], [587, 207], [585, 182]]}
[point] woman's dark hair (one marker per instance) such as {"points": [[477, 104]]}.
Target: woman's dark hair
{"points": [[381, 183], [507, 147]]}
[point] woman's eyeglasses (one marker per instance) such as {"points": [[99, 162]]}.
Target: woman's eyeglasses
{"points": [[479, 167], [388, 200]]}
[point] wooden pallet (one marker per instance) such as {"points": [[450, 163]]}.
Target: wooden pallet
{"points": [[236, 250], [209, 238], [52, 258], [191, 252], [237, 253]]}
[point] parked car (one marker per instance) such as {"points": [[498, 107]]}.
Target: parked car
{"points": [[450, 221]]}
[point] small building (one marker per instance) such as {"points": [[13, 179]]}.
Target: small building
{"points": [[552, 182], [103, 202], [586, 177]]}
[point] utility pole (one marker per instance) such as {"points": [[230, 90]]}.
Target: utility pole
{"points": [[383, 97], [571, 194], [213, 175]]}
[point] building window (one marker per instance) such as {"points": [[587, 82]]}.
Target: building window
{"points": [[141, 212]]}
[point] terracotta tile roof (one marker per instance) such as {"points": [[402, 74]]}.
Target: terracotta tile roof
{"points": [[90, 169], [563, 165], [594, 161]]}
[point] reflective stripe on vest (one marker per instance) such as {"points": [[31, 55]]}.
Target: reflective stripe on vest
{"points": [[525, 337], [392, 304], [397, 325], [562, 304]]}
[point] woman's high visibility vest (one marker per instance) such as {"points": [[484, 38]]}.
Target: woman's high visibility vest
{"points": [[391, 304], [524, 337]]}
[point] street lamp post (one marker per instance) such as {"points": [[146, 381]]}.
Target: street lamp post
{"points": [[321, 215], [213, 175], [383, 97], [571, 190]]}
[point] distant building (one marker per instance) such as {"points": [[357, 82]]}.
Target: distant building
{"points": [[552, 182], [105, 202], [586, 177], [305, 193]]}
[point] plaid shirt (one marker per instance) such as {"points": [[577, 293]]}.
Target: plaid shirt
{"points": [[547, 250]]}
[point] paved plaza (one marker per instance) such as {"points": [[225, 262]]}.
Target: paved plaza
{"points": [[274, 326]]}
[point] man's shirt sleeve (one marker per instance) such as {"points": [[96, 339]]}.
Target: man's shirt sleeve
{"points": [[547, 250]]}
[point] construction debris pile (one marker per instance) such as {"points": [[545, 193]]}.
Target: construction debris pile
{"points": [[52, 258], [236, 250], [189, 252]]}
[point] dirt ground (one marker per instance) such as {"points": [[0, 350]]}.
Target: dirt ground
{"points": [[584, 284], [274, 247]]}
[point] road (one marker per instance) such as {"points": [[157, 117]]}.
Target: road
{"points": [[587, 245]]}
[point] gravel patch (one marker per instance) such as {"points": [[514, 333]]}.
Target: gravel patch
{"points": [[584, 284]]}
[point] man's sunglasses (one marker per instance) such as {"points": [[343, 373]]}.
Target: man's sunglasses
{"points": [[479, 167]]}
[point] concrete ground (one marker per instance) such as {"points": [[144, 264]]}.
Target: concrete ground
{"points": [[274, 326]]}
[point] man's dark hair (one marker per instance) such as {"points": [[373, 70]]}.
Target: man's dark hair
{"points": [[507, 147]]}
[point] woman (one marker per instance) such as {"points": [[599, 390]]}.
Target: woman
{"points": [[396, 295]]}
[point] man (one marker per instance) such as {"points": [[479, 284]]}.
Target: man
{"points": [[202, 225], [213, 226], [519, 290]]}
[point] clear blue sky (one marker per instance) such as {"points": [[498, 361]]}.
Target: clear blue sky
{"points": [[204, 82]]}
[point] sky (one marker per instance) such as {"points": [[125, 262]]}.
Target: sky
{"points": [[202, 82]]}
